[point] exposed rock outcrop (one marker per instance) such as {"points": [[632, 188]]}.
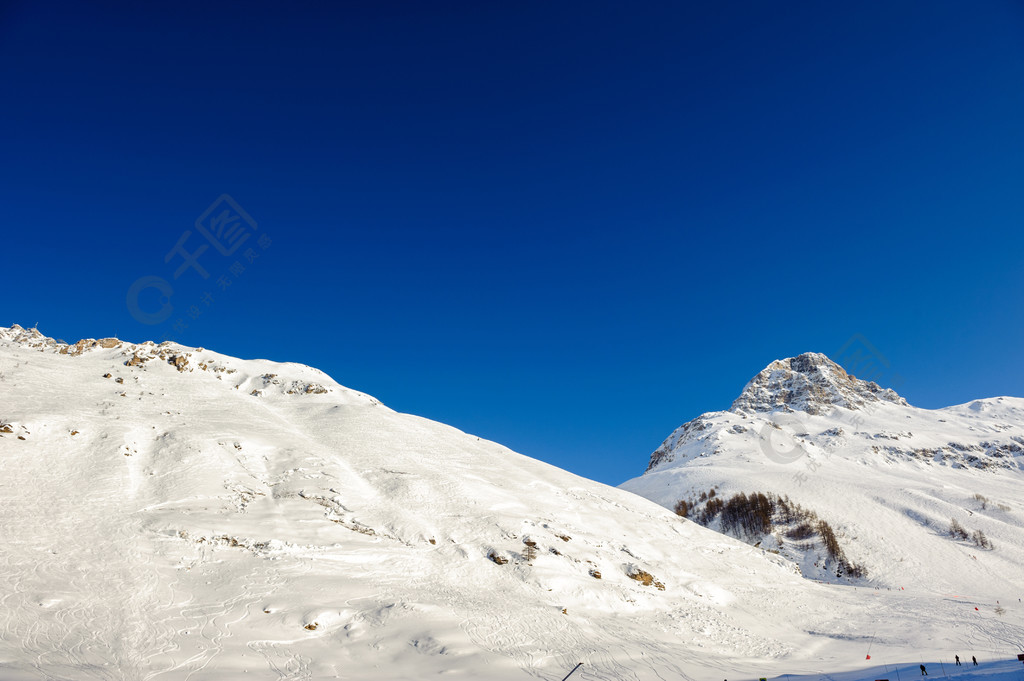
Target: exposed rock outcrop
{"points": [[811, 383]]}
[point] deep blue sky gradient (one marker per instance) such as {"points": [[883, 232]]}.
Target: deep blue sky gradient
{"points": [[567, 227]]}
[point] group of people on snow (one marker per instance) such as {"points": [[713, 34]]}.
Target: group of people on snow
{"points": [[924, 672]]}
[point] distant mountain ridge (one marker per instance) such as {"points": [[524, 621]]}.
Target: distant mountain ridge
{"points": [[860, 458], [813, 385]]}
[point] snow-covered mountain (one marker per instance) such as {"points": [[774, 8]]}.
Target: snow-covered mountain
{"points": [[889, 479], [173, 513]]}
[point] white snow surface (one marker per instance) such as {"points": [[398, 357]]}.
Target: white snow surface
{"points": [[173, 513]]}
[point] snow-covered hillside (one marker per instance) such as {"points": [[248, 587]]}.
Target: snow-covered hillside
{"points": [[889, 478], [174, 513]]}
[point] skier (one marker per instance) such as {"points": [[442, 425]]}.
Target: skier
{"points": [[957, 660], [975, 660], [924, 672]]}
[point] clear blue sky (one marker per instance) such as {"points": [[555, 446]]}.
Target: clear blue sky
{"points": [[568, 227]]}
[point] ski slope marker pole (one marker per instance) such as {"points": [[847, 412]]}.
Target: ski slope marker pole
{"points": [[573, 671]]}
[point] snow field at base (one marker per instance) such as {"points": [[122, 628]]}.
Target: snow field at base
{"points": [[175, 526], [932, 594]]}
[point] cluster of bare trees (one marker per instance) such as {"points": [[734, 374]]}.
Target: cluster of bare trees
{"points": [[751, 516], [978, 538]]}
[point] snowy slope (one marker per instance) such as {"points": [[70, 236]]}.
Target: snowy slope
{"points": [[174, 513], [888, 477]]}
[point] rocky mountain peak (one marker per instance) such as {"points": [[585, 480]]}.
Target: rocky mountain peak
{"points": [[811, 383], [17, 332], [36, 340]]}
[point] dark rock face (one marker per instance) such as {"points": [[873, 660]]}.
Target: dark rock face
{"points": [[811, 383], [688, 432]]}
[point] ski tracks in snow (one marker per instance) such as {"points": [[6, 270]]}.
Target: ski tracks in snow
{"points": [[68, 620], [512, 633], [1002, 636]]}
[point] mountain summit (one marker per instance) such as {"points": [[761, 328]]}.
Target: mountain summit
{"points": [[810, 383]]}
